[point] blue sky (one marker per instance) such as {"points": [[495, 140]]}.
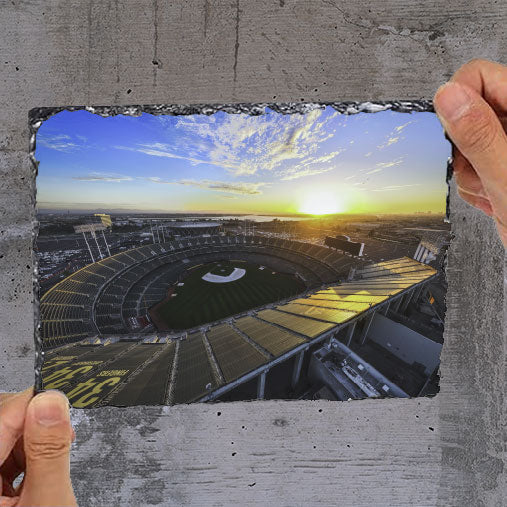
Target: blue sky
{"points": [[318, 162]]}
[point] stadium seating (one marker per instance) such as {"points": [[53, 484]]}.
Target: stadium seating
{"points": [[102, 296], [171, 368]]}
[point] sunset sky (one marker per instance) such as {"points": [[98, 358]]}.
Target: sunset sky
{"points": [[319, 162]]}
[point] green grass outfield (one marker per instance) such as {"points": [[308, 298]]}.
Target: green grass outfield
{"points": [[198, 301]]}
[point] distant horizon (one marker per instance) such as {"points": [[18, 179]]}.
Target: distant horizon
{"points": [[226, 213], [318, 163]]}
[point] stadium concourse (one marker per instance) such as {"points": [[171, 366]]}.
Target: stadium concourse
{"points": [[217, 359]]}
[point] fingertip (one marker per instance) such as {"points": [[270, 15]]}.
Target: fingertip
{"points": [[440, 89], [49, 408], [452, 100]]}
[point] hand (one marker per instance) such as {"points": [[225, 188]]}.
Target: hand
{"points": [[472, 108], [35, 438]]}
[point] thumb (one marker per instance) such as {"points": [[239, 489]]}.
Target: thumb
{"points": [[47, 439]]}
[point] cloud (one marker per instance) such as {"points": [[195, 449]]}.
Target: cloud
{"points": [[114, 178], [222, 186], [59, 142], [384, 165], [368, 154], [391, 140], [302, 169], [162, 150], [244, 144], [305, 172], [241, 188], [401, 127], [394, 136], [394, 187], [397, 161]]}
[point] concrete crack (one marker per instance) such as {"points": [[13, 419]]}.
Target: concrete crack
{"points": [[236, 45]]}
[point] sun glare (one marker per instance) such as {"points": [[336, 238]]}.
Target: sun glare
{"points": [[321, 203]]}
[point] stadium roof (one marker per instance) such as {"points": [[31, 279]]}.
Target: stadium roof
{"points": [[159, 369]]}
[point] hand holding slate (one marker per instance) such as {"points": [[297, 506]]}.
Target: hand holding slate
{"points": [[472, 108], [35, 438]]}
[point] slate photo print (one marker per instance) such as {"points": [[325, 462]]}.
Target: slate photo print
{"points": [[221, 255]]}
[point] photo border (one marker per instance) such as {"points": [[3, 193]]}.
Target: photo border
{"points": [[37, 116]]}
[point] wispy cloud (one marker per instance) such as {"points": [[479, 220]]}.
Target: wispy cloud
{"points": [[401, 127], [394, 136], [59, 142], [113, 178], [246, 145], [384, 165], [242, 188], [391, 163], [293, 175], [223, 186], [307, 167], [163, 150], [394, 187], [391, 140]]}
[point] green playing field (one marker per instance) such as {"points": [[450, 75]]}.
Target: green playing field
{"points": [[198, 301]]}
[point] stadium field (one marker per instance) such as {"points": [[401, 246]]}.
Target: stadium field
{"points": [[198, 301]]}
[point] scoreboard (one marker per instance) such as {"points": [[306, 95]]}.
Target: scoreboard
{"points": [[345, 245]]}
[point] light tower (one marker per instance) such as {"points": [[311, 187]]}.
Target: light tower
{"points": [[92, 229]]}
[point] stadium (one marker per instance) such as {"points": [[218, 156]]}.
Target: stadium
{"points": [[101, 297], [221, 317]]}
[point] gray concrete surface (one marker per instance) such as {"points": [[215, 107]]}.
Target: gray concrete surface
{"points": [[447, 450]]}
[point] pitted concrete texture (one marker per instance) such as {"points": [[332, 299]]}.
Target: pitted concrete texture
{"points": [[446, 450]]}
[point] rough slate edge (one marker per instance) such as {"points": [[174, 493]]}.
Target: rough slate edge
{"points": [[38, 115]]}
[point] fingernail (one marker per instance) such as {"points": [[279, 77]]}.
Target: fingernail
{"points": [[51, 408], [452, 101]]}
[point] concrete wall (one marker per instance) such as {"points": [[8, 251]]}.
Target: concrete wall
{"points": [[404, 343], [446, 450]]}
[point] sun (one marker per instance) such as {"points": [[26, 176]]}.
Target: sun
{"points": [[321, 203]]}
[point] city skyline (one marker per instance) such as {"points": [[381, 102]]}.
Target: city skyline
{"points": [[318, 163]]}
